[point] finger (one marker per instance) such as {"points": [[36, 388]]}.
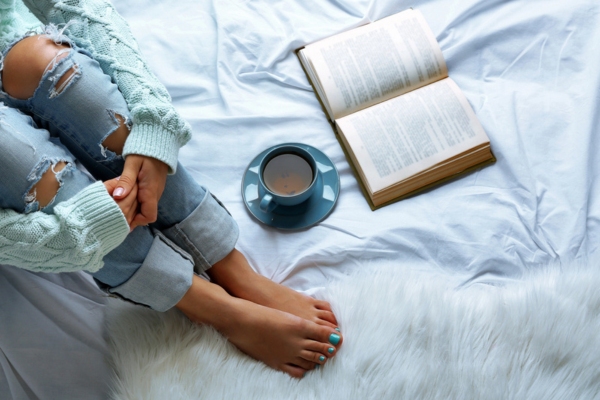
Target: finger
{"points": [[141, 220], [127, 181], [130, 216], [148, 211], [135, 210], [128, 212], [134, 224], [129, 206], [152, 179], [128, 178], [110, 185]]}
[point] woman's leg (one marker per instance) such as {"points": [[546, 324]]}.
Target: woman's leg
{"points": [[281, 340], [39, 173], [186, 203], [188, 215], [79, 104], [134, 270], [34, 169]]}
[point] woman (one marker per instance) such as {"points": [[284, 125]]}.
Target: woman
{"points": [[82, 93]]}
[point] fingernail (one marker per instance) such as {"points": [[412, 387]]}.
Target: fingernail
{"points": [[317, 366], [304, 374], [118, 191], [334, 339], [337, 329], [322, 358], [330, 350]]}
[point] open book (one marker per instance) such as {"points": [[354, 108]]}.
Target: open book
{"points": [[403, 123]]}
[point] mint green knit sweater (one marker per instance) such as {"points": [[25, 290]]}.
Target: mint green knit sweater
{"points": [[84, 229]]}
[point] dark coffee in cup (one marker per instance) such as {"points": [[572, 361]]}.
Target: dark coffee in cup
{"points": [[288, 174]]}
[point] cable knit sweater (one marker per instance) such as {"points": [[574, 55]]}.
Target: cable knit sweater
{"points": [[87, 227]]}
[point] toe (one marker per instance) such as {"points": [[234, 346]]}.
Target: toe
{"points": [[323, 322], [327, 350], [304, 364], [323, 305], [327, 316], [335, 338], [326, 313], [293, 370], [314, 357], [326, 335]]}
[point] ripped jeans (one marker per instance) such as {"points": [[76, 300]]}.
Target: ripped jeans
{"points": [[155, 264]]}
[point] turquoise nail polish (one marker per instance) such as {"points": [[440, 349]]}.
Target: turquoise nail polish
{"points": [[334, 339], [317, 366], [322, 358], [337, 329], [330, 350]]}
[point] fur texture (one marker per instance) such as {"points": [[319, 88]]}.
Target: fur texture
{"points": [[407, 334]]}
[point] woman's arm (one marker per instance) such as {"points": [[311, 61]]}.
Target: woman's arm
{"points": [[158, 131], [81, 232]]}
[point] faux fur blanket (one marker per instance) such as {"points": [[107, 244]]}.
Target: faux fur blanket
{"points": [[407, 335]]}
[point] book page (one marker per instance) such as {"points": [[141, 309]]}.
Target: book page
{"points": [[409, 134], [314, 80], [376, 62]]}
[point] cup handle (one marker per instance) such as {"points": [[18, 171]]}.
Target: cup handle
{"points": [[267, 204]]}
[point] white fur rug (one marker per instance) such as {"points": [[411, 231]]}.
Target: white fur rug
{"points": [[407, 335]]}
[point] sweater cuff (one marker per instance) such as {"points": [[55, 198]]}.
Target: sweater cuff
{"points": [[153, 141], [101, 214]]}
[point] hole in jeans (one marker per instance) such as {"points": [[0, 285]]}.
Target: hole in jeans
{"points": [[67, 78], [115, 141], [46, 188]]}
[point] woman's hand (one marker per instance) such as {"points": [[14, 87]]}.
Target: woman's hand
{"points": [[149, 176], [129, 204]]}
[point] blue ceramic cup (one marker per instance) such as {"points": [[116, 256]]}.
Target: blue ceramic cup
{"points": [[287, 177]]}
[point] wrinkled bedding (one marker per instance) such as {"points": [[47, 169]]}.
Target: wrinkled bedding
{"points": [[531, 71]]}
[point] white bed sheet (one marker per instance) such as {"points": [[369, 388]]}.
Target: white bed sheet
{"points": [[531, 71]]}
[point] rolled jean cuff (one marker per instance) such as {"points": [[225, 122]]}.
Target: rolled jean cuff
{"points": [[208, 234], [163, 279]]}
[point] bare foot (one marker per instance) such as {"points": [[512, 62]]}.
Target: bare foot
{"points": [[281, 340], [235, 275]]}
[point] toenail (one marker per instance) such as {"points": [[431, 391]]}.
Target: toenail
{"points": [[322, 358], [337, 329], [334, 339], [330, 350]]}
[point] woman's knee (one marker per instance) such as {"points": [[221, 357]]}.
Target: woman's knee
{"points": [[26, 63]]}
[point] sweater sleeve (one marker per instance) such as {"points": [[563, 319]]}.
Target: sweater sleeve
{"points": [[81, 232], [158, 131]]}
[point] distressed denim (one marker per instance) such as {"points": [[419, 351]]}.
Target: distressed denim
{"points": [[155, 264]]}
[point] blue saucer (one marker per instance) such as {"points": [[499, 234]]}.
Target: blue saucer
{"points": [[315, 209]]}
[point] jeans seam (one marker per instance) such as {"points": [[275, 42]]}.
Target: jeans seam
{"points": [[203, 263]]}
